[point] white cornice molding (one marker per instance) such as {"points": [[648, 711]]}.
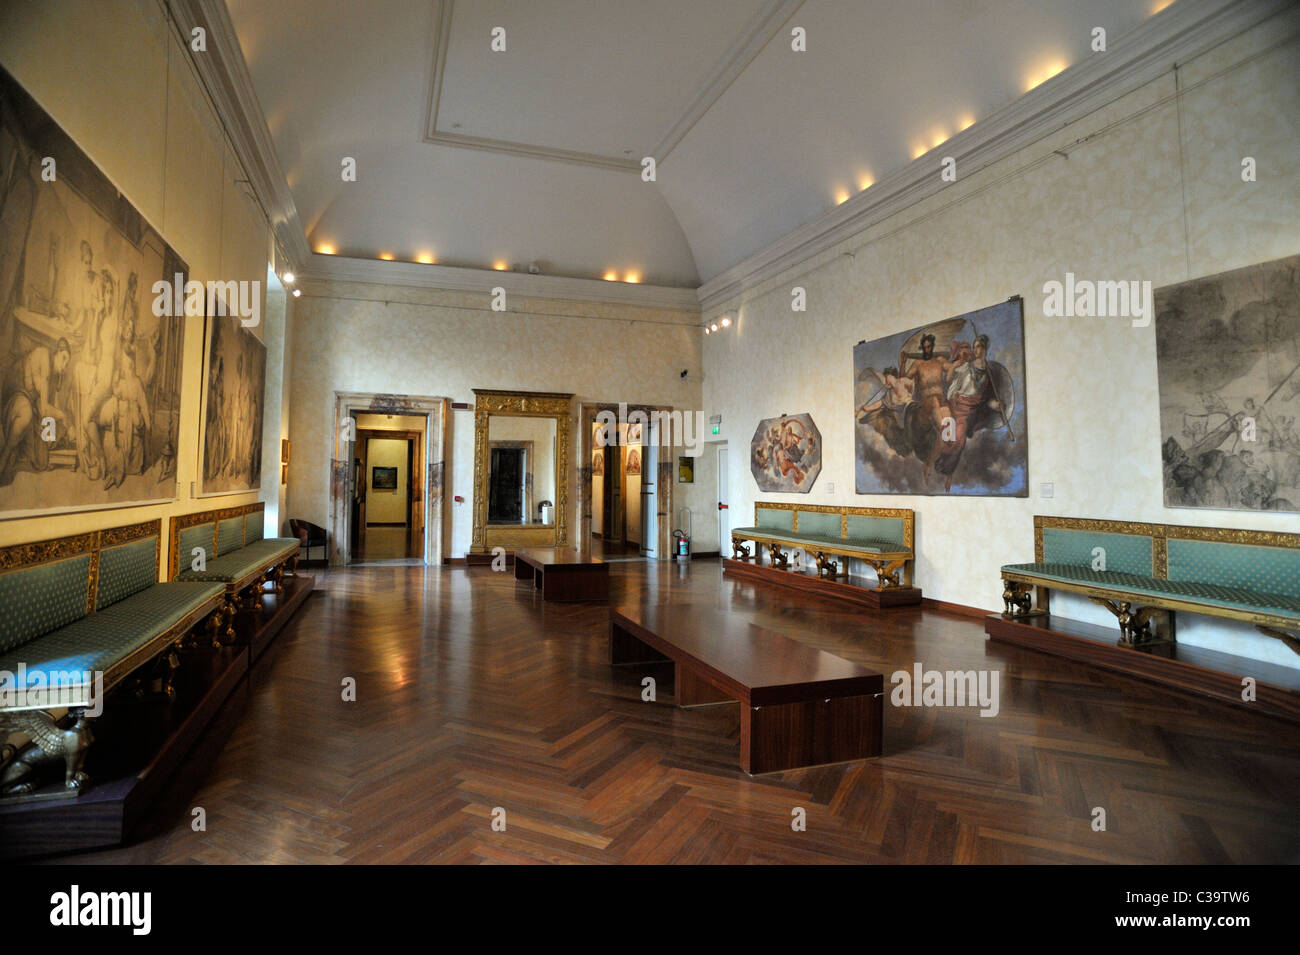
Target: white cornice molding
{"points": [[1179, 33], [224, 74], [340, 268]]}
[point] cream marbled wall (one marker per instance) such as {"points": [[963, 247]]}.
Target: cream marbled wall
{"points": [[1124, 204], [360, 337], [121, 86]]}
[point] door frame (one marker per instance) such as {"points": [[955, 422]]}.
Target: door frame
{"points": [[437, 505], [411, 437], [587, 411]]}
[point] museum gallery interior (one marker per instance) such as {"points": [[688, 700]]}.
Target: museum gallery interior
{"points": [[700, 431]]}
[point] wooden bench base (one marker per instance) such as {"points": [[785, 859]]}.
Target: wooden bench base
{"points": [[780, 727], [563, 574], [1208, 673], [857, 590]]}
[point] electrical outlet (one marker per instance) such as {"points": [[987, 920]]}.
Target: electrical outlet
{"points": [[830, 488], [1046, 490]]}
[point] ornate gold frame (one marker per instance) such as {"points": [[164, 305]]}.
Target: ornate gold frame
{"points": [[33, 554], [180, 522], [532, 404]]}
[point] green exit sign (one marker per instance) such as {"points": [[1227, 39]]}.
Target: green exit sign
{"points": [[715, 429]]}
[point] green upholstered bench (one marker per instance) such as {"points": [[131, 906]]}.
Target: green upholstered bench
{"points": [[78, 616], [1143, 573], [227, 546], [880, 537]]}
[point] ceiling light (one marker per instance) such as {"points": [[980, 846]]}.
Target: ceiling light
{"points": [[938, 139], [966, 122], [632, 277], [1044, 73], [499, 266], [919, 151], [425, 258], [865, 183], [706, 330], [611, 276], [841, 195], [287, 278], [713, 327], [325, 248], [726, 323], [386, 256], [297, 292]]}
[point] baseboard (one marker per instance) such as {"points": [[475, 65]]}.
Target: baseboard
{"points": [[960, 610], [706, 555], [386, 524]]}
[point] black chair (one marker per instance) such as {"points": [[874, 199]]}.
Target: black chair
{"points": [[309, 536]]}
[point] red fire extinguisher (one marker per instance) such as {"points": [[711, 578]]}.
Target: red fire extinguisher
{"points": [[683, 535]]}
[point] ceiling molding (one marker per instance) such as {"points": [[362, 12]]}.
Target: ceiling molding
{"points": [[751, 42], [225, 76], [1177, 34], [762, 29], [340, 268]]}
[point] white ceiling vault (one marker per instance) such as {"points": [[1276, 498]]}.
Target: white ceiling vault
{"points": [[476, 159]]}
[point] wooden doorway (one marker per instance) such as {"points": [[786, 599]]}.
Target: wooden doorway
{"points": [[388, 494]]}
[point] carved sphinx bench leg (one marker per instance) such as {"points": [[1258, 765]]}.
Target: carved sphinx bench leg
{"points": [[1141, 627], [826, 566], [275, 576], [740, 550], [1017, 599], [155, 684], [50, 743], [779, 557]]}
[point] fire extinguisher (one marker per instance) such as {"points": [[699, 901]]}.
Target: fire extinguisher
{"points": [[683, 535]]}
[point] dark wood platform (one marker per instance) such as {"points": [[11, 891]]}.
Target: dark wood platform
{"points": [[141, 749], [855, 589], [799, 706], [1194, 669], [563, 573]]}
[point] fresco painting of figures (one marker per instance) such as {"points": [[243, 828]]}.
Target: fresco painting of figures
{"points": [[1228, 364], [785, 453], [940, 409], [232, 407], [90, 377]]}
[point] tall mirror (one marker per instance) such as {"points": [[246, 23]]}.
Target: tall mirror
{"points": [[521, 442]]}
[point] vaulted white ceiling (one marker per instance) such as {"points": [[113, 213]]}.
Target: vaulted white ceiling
{"points": [[479, 158]]}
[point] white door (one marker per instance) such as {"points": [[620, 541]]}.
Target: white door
{"points": [[649, 489], [724, 520]]}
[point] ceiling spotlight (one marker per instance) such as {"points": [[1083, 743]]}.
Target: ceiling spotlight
{"points": [[726, 323], [386, 256], [297, 293], [287, 278], [611, 276], [713, 327], [706, 329], [499, 266], [425, 258]]}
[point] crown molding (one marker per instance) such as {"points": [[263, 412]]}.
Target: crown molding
{"points": [[340, 268], [1178, 33], [225, 76], [752, 42]]}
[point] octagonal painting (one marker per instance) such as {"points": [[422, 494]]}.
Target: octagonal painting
{"points": [[785, 454]]}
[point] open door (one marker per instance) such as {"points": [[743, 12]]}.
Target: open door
{"points": [[650, 490], [724, 511]]}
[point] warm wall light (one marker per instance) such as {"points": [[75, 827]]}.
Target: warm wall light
{"points": [[611, 276], [966, 122], [919, 151], [841, 196], [499, 266], [633, 277], [1159, 5], [865, 183], [287, 278], [386, 256], [1044, 73], [425, 258], [325, 248], [938, 138]]}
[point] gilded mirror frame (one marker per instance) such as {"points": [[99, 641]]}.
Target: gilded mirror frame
{"points": [[529, 404]]}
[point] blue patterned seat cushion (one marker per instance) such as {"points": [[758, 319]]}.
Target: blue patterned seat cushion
{"points": [[1214, 595], [811, 540], [102, 639], [240, 563]]}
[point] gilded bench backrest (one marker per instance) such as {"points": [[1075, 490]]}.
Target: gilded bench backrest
{"points": [[859, 523], [48, 584], [217, 532], [1267, 561]]}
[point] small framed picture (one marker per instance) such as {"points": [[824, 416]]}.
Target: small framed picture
{"points": [[685, 470], [284, 474], [284, 450]]}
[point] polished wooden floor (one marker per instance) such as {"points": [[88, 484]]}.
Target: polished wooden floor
{"points": [[473, 694]]}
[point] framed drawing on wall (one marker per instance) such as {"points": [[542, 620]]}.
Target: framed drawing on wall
{"points": [[1228, 367], [90, 352], [383, 479], [233, 396]]}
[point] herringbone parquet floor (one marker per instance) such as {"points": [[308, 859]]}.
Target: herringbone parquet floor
{"points": [[474, 695]]}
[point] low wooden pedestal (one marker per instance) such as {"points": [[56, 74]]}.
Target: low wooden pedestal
{"points": [[563, 574], [854, 589], [1206, 672], [799, 706]]}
